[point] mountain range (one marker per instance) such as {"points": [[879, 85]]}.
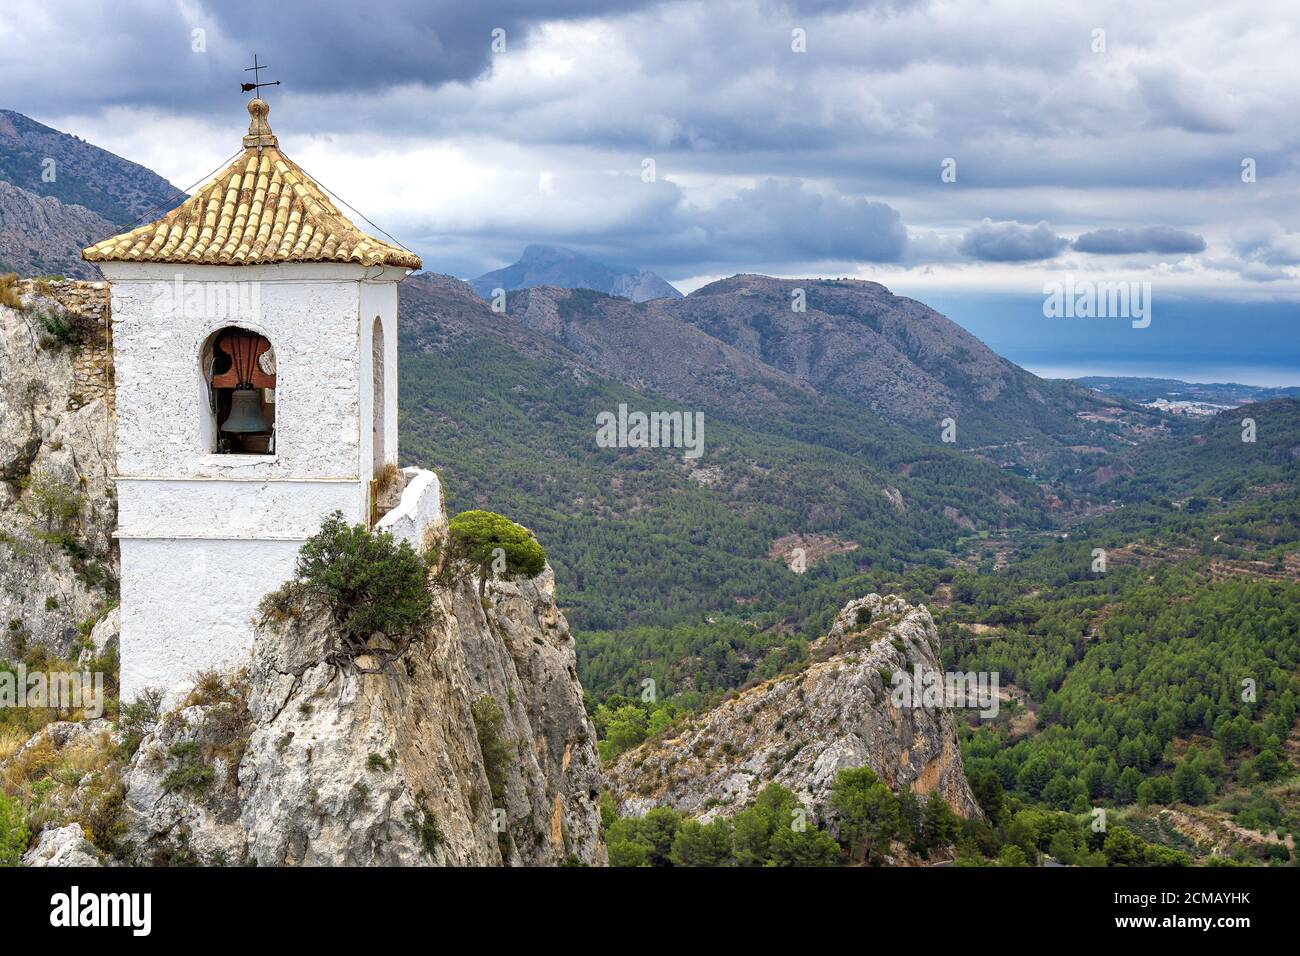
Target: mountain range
{"points": [[841, 420], [59, 193], [504, 408], [851, 339], [558, 266], [857, 444]]}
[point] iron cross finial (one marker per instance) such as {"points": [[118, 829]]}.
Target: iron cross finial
{"points": [[256, 69]]}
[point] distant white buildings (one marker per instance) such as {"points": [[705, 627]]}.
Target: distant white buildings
{"points": [[1185, 407]]}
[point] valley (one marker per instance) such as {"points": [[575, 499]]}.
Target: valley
{"points": [[1188, 515], [873, 488]]}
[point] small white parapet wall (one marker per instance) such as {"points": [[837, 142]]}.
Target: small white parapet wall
{"points": [[419, 510]]}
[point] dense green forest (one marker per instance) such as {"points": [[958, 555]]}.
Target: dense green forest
{"points": [[871, 820], [1221, 460], [642, 536], [1163, 681], [1166, 682]]}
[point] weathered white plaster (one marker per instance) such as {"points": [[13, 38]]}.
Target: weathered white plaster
{"points": [[205, 536], [419, 509], [309, 312], [379, 302], [169, 508], [187, 606]]}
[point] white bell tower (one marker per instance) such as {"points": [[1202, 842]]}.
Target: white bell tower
{"points": [[255, 347]]}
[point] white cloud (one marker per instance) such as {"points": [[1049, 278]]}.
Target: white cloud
{"points": [[849, 136]]}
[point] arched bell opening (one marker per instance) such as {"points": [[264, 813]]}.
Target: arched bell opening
{"points": [[239, 372]]}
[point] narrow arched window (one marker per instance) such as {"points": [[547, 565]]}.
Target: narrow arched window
{"points": [[239, 372], [378, 412]]}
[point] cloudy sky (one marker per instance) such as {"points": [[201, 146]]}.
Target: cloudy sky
{"points": [[950, 150]]}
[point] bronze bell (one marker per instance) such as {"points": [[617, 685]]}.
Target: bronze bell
{"points": [[247, 416]]}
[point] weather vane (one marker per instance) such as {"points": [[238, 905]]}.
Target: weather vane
{"points": [[256, 70]]}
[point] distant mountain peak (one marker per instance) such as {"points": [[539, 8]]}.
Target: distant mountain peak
{"points": [[540, 252], [542, 264], [59, 193], [757, 282], [83, 174]]}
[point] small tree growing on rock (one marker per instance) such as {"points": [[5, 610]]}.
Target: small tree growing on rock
{"points": [[52, 503], [375, 588], [487, 543]]}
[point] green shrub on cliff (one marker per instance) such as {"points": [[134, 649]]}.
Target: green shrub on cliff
{"points": [[375, 588], [492, 544], [13, 831]]}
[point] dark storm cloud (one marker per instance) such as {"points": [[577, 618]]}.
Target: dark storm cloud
{"points": [[1042, 126], [1012, 242], [1164, 239], [145, 52], [782, 220], [360, 47]]}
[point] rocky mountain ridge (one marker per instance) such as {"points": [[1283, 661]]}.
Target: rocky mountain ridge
{"points": [[743, 340], [46, 162], [41, 236], [800, 730], [59, 194]]}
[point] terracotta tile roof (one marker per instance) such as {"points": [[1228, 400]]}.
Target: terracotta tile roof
{"points": [[260, 209]]}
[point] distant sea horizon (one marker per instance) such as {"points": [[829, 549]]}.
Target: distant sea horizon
{"points": [[1195, 341], [1191, 371]]}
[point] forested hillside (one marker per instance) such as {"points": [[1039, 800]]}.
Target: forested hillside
{"points": [[1160, 685], [649, 536], [1127, 682]]}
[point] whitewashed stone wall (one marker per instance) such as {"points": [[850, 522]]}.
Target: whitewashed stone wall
{"points": [[187, 606], [419, 510], [310, 313], [205, 536]]}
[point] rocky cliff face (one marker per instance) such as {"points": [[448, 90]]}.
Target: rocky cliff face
{"points": [[895, 355], [46, 162], [800, 730], [41, 236], [476, 751], [58, 561], [647, 347]]}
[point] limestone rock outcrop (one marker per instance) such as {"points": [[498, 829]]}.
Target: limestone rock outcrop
{"points": [[39, 235], [800, 730], [474, 751], [58, 560], [62, 846]]}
